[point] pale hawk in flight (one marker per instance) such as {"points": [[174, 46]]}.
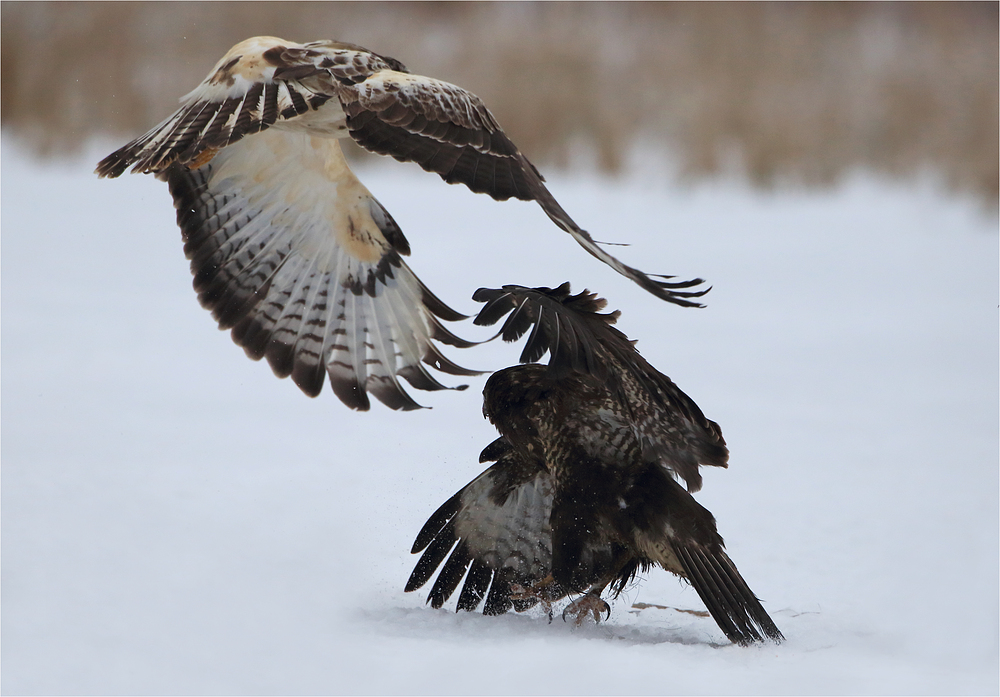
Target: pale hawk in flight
{"points": [[289, 250]]}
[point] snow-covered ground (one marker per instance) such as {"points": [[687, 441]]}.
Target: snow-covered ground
{"points": [[177, 520]]}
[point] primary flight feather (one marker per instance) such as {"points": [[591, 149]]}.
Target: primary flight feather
{"points": [[289, 249], [584, 491]]}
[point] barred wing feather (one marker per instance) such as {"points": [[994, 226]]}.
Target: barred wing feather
{"points": [[448, 130], [579, 337], [340, 90], [495, 533], [294, 255], [259, 83]]}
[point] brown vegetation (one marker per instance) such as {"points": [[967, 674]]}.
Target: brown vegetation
{"points": [[782, 92]]}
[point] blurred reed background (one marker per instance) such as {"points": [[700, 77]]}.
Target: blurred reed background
{"points": [[783, 94]]}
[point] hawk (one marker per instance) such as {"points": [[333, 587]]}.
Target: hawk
{"points": [[289, 250], [584, 493]]}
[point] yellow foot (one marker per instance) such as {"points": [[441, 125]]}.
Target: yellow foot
{"points": [[590, 603], [540, 590]]}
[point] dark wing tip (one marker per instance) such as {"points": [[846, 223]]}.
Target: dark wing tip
{"points": [[570, 327], [495, 450], [476, 583], [115, 164], [436, 523], [434, 358], [431, 559], [351, 393], [671, 291], [438, 306], [498, 303]]}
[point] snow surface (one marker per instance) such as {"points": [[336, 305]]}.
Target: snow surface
{"points": [[177, 520]]}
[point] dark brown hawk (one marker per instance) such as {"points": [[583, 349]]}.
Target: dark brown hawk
{"points": [[289, 249], [584, 491]]}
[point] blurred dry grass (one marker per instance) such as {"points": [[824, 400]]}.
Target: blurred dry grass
{"points": [[785, 93]]}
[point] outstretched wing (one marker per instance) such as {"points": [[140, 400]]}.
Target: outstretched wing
{"points": [[580, 338], [337, 89], [448, 130], [288, 249], [293, 254], [260, 83], [496, 529], [443, 128]]}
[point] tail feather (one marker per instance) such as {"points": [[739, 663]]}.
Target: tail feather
{"points": [[729, 599]]}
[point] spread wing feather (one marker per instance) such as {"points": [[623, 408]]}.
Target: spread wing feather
{"points": [[259, 83], [497, 528], [580, 338], [498, 534], [209, 120], [311, 282], [448, 130], [338, 90]]}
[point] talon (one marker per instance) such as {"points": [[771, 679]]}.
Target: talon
{"points": [[591, 604], [539, 590], [519, 592]]}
